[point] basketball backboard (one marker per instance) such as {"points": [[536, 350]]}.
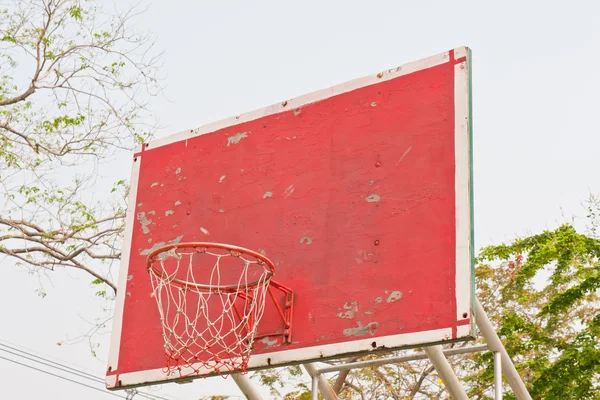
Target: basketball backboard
{"points": [[361, 196]]}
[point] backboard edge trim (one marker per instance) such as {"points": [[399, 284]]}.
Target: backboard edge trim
{"points": [[306, 99]]}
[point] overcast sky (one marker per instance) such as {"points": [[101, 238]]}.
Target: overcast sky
{"points": [[536, 138]]}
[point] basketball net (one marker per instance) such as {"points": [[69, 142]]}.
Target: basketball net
{"points": [[207, 327]]}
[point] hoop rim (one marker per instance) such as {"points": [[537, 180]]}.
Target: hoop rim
{"points": [[151, 259]]}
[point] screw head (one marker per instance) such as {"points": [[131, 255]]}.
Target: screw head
{"points": [[378, 164], [376, 243], [286, 332]]}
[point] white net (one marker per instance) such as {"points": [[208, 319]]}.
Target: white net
{"points": [[210, 304]]}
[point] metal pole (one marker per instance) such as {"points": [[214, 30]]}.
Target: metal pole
{"points": [[324, 386], [491, 337], [314, 388], [498, 375], [443, 368], [247, 388], [399, 359]]}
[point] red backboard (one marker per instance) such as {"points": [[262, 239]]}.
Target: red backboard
{"points": [[361, 196]]}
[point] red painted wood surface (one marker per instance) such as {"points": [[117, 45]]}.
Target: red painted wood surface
{"points": [[352, 198]]}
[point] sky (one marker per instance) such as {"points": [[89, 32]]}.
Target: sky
{"points": [[535, 112]]}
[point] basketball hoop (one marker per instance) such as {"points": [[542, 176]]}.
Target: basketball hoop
{"points": [[210, 311]]}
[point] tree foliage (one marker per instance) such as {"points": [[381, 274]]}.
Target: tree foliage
{"points": [[74, 86]]}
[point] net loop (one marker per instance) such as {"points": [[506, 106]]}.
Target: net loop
{"points": [[210, 299]]}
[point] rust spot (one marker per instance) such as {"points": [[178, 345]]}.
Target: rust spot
{"points": [[380, 75]]}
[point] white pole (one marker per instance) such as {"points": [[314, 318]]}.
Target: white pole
{"points": [[324, 386], [495, 345], [498, 375], [314, 388], [247, 388], [444, 370]]}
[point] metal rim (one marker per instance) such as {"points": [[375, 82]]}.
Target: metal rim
{"points": [[151, 259]]}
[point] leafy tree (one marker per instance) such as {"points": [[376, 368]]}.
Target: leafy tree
{"points": [[74, 88]]}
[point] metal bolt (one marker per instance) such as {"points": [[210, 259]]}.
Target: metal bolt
{"points": [[378, 164], [286, 332], [376, 243], [288, 304]]}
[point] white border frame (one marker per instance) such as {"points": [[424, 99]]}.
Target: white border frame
{"points": [[464, 250]]}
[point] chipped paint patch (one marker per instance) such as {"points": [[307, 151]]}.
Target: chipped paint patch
{"points": [[373, 104], [141, 216], [151, 212], [373, 198], [263, 252], [222, 178], [205, 231], [395, 295], [378, 300], [268, 343], [306, 239], [149, 240], [288, 192], [177, 203], [221, 211], [267, 194], [235, 139], [169, 212], [297, 112], [178, 171], [140, 204], [360, 330], [160, 244], [348, 310], [154, 184], [129, 277]]}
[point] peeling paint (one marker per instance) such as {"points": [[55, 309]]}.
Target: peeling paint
{"points": [[348, 310], [288, 192], [140, 204], [178, 171], [141, 216], [160, 244], [222, 178], [373, 198], [360, 330], [267, 194], [235, 139], [129, 277], [268, 343], [297, 112], [395, 295], [169, 212], [204, 230], [151, 212], [154, 184], [306, 239], [373, 104], [378, 300], [177, 203]]}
